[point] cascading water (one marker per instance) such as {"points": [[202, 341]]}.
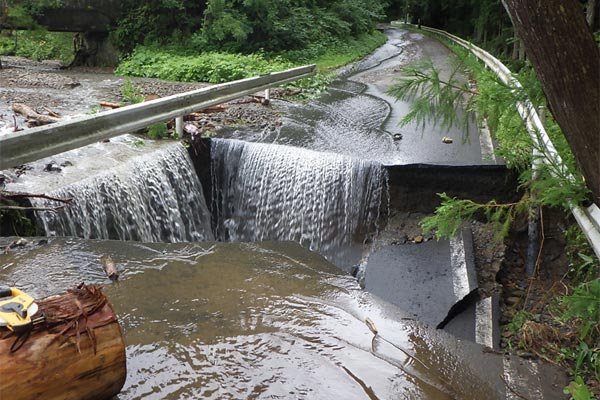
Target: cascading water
{"points": [[327, 202], [153, 198]]}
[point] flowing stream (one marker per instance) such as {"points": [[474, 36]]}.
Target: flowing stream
{"points": [[329, 203], [250, 321], [156, 197]]}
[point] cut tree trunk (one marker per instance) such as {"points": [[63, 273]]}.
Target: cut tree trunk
{"points": [[566, 59], [33, 117], [78, 353]]}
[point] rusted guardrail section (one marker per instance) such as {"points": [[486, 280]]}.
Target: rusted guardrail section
{"points": [[588, 218], [36, 143]]}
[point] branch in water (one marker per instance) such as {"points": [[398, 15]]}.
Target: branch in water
{"points": [[22, 195], [54, 209], [12, 196]]}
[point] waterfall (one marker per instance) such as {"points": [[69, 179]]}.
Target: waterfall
{"points": [[156, 197], [329, 203]]}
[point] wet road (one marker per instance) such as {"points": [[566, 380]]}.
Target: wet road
{"points": [[356, 116]]}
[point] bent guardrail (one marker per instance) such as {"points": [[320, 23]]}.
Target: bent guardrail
{"points": [[36, 143], [588, 218]]}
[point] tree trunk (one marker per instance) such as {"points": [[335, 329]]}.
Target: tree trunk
{"points": [[78, 353], [566, 60]]}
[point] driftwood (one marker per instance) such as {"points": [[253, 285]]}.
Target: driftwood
{"points": [[51, 113], [108, 104], [78, 352], [109, 268], [32, 116]]}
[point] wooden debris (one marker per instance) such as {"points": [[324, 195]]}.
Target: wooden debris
{"points": [[108, 104], [110, 268], [51, 113], [33, 117], [76, 352]]}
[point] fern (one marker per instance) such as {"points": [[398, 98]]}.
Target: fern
{"points": [[452, 213]]}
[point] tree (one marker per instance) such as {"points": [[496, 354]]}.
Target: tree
{"points": [[566, 59]]}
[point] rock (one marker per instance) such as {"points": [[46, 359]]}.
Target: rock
{"points": [[52, 167], [418, 239], [401, 240], [511, 301], [447, 140], [20, 242], [66, 164]]}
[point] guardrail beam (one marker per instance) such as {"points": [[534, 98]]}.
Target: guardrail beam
{"points": [[37, 143]]}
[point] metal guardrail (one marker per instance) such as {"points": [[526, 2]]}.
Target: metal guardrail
{"points": [[36, 143], [588, 218]]}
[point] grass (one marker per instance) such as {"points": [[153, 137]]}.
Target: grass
{"points": [[177, 64], [339, 54]]}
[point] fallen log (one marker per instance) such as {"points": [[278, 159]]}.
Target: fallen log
{"points": [[33, 117], [77, 352]]}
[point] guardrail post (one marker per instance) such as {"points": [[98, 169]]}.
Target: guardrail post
{"points": [[179, 127], [267, 96]]}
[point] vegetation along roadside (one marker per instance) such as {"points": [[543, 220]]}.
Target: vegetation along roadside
{"points": [[561, 325]]}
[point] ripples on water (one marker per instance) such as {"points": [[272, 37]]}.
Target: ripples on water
{"points": [[237, 321]]}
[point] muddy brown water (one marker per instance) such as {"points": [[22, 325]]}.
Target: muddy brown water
{"points": [[263, 320]]}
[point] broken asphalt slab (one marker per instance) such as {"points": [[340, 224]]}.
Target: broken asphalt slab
{"points": [[426, 280]]}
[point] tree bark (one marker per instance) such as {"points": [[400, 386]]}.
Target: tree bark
{"points": [[566, 59], [77, 353]]}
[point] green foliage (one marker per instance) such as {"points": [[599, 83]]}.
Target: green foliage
{"points": [[15, 222], [582, 308], [492, 101], [337, 52], [158, 131], [584, 304], [38, 45], [175, 63], [130, 93], [579, 390], [518, 320], [244, 26], [171, 64], [484, 21], [156, 21], [433, 99], [584, 265], [452, 213]]}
